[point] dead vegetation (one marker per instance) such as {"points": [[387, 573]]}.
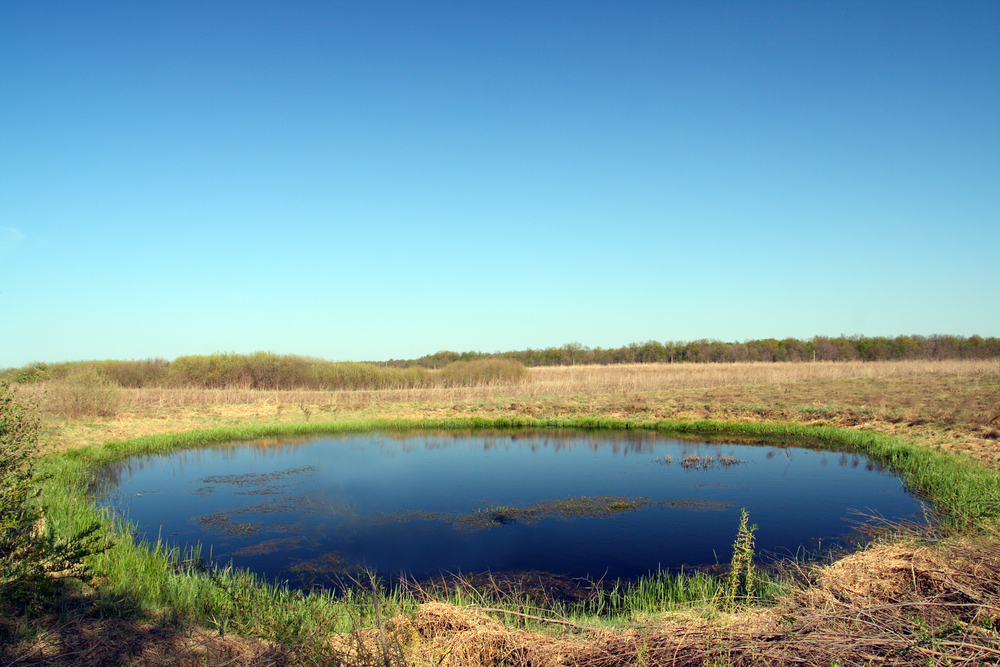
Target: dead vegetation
{"points": [[902, 602]]}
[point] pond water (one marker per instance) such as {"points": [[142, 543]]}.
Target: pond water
{"points": [[579, 505]]}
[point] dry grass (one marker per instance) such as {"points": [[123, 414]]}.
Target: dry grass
{"points": [[898, 603], [660, 377], [903, 602], [93, 641], [948, 405]]}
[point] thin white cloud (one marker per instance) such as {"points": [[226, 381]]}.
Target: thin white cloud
{"points": [[10, 238]]}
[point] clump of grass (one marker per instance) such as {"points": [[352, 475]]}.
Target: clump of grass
{"points": [[692, 462]]}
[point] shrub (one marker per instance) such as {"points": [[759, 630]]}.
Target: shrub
{"points": [[84, 393], [134, 374], [30, 555], [482, 371]]}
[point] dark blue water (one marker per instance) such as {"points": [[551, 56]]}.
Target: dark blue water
{"points": [[421, 504]]}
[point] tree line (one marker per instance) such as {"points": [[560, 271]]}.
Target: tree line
{"points": [[819, 348]]}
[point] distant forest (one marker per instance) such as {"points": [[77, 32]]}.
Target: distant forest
{"points": [[819, 348], [267, 370]]}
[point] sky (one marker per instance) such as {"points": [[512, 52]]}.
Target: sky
{"points": [[376, 180]]}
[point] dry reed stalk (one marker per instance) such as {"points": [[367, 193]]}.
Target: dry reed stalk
{"points": [[628, 378]]}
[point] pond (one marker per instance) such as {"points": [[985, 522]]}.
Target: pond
{"points": [[587, 505]]}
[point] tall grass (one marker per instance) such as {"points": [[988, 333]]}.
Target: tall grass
{"points": [[659, 377]]}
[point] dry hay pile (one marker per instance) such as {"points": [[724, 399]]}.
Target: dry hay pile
{"points": [[445, 635], [900, 603]]}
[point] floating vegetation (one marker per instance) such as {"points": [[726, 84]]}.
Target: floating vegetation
{"points": [[709, 485], [286, 527], [301, 504], [328, 563], [258, 479], [697, 504], [248, 479], [493, 516], [221, 522], [262, 491], [692, 462], [665, 461], [269, 547], [410, 515]]}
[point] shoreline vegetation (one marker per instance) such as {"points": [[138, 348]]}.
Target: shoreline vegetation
{"points": [[929, 596]]}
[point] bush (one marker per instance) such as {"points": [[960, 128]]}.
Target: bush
{"points": [[84, 393], [30, 555], [482, 371], [134, 374]]}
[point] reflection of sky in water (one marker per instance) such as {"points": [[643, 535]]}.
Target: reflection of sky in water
{"points": [[342, 500]]}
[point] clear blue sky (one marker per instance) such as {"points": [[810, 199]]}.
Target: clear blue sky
{"points": [[384, 180]]}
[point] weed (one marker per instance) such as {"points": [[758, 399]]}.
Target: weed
{"points": [[740, 582]]}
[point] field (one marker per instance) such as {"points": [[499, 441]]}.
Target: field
{"points": [[908, 598], [947, 405]]}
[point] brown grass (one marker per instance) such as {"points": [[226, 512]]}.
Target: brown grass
{"points": [[948, 405], [899, 603]]}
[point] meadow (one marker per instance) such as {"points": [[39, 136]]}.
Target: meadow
{"points": [[929, 596]]}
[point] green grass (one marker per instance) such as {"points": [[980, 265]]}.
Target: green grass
{"points": [[153, 577]]}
